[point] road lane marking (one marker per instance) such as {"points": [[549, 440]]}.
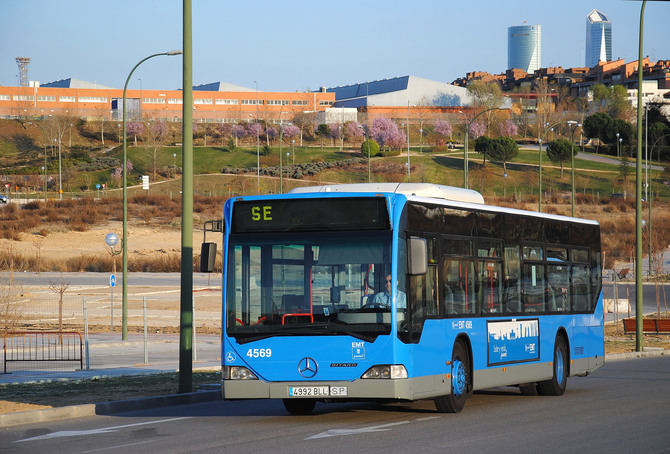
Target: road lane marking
{"points": [[342, 432], [101, 430], [381, 428]]}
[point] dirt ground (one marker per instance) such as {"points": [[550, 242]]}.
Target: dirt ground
{"points": [[142, 240]]}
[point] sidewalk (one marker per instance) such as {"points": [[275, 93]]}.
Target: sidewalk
{"points": [[109, 356]]}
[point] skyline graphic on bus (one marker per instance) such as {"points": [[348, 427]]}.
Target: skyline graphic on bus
{"points": [[513, 341]]}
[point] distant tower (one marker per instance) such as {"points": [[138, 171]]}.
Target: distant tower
{"points": [[524, 47], [598, 38], [23, 63]]}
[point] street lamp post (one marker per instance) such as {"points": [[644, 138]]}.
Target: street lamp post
{"points": [[408, 167], [124, 240], [574, 125], [639, 338], [617, 145], [258, 147]]}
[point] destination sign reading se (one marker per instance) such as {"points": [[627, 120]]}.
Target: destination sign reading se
{"points": [[302, 215]]}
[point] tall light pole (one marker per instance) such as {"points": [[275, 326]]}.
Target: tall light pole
{"points": [[408, 168], [258, 147], [639, 339], [573, 126], [124, 317], [186, 278]]}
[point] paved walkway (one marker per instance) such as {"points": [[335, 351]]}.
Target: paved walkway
{"points": [[110, 356]]}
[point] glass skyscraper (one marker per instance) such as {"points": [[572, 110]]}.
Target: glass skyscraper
{"points": [[524, 44], [598, 38]]}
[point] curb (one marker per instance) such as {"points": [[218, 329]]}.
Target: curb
{"points": [[647, 353], [106, 408]]}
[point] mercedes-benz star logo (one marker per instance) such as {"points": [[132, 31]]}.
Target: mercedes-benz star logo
{"points": [[308, 367]]}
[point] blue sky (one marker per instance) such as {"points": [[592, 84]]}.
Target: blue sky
{"points": [[301, 45]]}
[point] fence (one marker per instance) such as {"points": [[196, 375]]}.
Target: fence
{"points": [[153, 312], [43, 347]]}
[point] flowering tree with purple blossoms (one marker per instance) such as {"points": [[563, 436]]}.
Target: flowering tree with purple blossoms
{"points": [[238, 131], [334, 131], [290, 131], [443, 129], [508, 128], [223, 130], [135, 128], [386, 133], [254, 129], [271, 132], [477, 129], [353, 130]]}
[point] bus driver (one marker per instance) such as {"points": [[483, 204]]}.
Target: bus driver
{"points": [[383, 299]]}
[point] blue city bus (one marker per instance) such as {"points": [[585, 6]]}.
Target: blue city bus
{"points": [[400, 291]]}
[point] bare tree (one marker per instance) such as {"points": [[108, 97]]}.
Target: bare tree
{"points": [[59, 288]]}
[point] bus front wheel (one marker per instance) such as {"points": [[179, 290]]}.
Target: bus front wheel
{"points": [[299, 406], [556, 386], [461, 381]]}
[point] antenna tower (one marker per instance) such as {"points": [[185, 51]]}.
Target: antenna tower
{"points": [[23, 63]]}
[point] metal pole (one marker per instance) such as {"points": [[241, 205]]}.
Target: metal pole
{"points": [[465, 157], [195, 343], [86, 351], [60, 172], [650, 260], [539, 183], [146, 341], [646, 151], [186, 307], [572, 163], [639, 339], [258, 146], [408, 168]]}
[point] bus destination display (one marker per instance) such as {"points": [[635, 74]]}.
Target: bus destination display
{"points": [[301, 215]]}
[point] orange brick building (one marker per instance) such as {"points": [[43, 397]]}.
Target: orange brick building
{"points": [[208, 106]]}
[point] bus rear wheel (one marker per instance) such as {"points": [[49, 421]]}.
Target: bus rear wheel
{"points": [[556, 386], [461, 381], [299, 406]]}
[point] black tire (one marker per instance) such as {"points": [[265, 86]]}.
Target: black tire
{"points": [[461, 381], [299, 406], [556, 386]]}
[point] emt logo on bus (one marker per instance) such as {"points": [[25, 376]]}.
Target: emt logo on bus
{"points": [[261, 213]]}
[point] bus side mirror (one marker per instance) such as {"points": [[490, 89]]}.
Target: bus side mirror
{"points": [[417, 256], [207, 257]]}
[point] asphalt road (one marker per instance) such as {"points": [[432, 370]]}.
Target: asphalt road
{"points": [[623, 407], [139, 279]]}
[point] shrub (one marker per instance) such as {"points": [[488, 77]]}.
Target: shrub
{"points": [[373, 145]]}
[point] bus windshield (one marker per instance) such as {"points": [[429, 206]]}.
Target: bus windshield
{"points": [[307, 284]]}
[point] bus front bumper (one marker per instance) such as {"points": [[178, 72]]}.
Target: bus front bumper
{"points": [[402, 389]]}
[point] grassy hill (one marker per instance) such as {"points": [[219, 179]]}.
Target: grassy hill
{"points": [[223, 171]]}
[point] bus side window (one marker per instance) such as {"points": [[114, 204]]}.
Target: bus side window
{"points": [[512, 297], [533, 287]]}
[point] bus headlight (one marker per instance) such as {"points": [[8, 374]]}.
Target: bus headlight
{"points": [[386, 371], [238, 373]]}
